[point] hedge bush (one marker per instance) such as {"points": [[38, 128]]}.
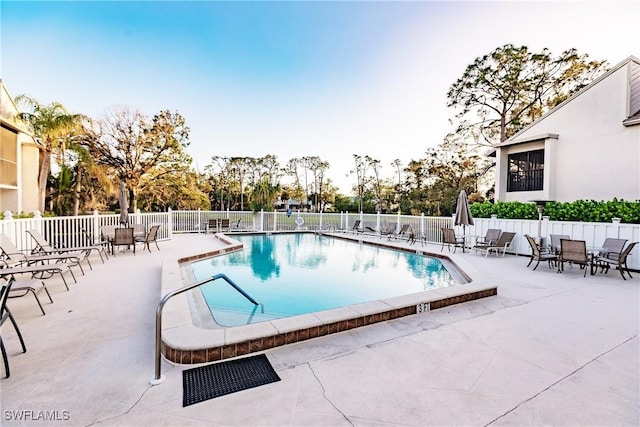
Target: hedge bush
{"points": [[579, 210]]}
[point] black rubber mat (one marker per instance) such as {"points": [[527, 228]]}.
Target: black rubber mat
{"points": [[206, 382]]}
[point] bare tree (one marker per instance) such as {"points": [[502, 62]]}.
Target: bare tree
{"points": [[133, 145]]}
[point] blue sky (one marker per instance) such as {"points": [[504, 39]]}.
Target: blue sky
{"points": [[330, 79]]}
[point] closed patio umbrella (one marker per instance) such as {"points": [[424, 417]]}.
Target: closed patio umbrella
{"points": [[463, 212], [124, 206]]}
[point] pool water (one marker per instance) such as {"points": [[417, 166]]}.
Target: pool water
{"points": [[292, 274]]}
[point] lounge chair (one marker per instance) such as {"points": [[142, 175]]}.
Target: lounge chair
{"points": [[389, 230], [605, 262], [370, 230], [38, 271], [539, 254], [43, 247], [22, 287], [102, 240], [449, 238], [612, 248], [503, 243], [123, 237], [5, 314], [492, 236], [150, 237], [575, 252], [405, 232], [13, 256]]}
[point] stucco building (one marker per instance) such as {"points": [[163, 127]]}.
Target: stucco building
{"points": [[19, 160], [587, 147]]}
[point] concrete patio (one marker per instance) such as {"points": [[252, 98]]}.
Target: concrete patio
{"points": [[549, 349]]}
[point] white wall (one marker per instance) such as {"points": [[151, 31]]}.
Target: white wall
{"points": [[596, 156]]}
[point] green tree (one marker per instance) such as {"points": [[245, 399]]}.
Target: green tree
{"points": [[91, 183], [505, 90], [134, 146], [292, 169], [363, 179], [51, 124], [176, 189], [453, 166]]}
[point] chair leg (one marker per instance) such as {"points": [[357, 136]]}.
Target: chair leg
{"points": [[530, 261], [47, 291], [35, 295], [15, 326], [5, 359], [64, 280], [537, 264], [72, 275], [156, 242], [622, 272], [100, 250], [33, 291]]}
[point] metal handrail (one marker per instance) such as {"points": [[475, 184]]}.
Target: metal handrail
{"points": [[158, 375]]}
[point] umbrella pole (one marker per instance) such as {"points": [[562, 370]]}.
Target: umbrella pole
{"points": [[464, 237]]}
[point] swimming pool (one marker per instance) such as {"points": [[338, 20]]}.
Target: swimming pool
{"points": [[293, 274]]}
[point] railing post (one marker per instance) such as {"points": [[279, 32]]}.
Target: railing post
{"points": [[37, 216], [9, 229], [422, 232], [170, 222], [95, 226]]}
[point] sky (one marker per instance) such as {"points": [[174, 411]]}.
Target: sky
{"points": [[291, 79]]}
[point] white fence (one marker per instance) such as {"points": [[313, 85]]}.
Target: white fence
{"points": [[81, 230]]}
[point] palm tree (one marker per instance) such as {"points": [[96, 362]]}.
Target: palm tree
{"points": [[50, 124]]}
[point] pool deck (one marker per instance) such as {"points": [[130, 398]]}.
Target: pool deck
{"points": [[548, 349]]}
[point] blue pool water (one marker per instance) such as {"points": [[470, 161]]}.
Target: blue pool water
{"points": [[291, 274]]}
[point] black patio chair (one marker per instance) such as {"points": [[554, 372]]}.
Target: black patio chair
{"points": [[123, 237], [539, 254], [574, 252], [604, 262], [449, 238], [5, 315], [151, 236]]}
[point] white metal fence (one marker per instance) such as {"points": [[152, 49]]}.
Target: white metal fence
{"points": [[81, 230]]}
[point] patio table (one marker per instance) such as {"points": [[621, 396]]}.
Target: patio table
{"points": [[468, 240]]}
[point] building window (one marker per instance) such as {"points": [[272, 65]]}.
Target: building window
{"points": [[526, 171], [8, 157]]}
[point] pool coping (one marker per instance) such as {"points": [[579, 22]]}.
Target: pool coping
{"points": [[185, 343]]}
